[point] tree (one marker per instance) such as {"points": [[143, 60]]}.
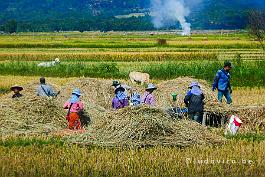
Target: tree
{"points": [[10, 26], [256, 23]]}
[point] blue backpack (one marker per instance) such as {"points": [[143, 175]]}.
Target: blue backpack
{"points": [[136, 99]]}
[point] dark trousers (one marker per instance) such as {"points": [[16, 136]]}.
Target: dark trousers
{"points": [[197, 116]]}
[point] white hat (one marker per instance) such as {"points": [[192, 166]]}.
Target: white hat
{"points": [[151, 87]]}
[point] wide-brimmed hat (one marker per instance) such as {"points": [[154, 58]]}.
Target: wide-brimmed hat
{"points": [[194, 84], [19, 88], [119, 89], [77, 92], [151, 87], [115, 83]]}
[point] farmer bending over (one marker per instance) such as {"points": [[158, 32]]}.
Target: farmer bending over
{"points": [[222, 83], [194, 102], [74, 106]]}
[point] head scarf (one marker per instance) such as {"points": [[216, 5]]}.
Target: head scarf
{"points": [[195, 90], [74, 99], [121, 95]]}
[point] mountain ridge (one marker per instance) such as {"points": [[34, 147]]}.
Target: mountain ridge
{"points": [[82, 15]]}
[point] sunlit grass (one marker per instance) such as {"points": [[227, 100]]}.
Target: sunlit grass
{"points": [[37, 158]]}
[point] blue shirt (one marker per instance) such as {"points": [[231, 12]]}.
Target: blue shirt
{"points": [[45, 90], [222, 80]]}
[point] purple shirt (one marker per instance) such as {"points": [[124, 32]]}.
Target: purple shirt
{"points": [[149, 99], [118, 104]]}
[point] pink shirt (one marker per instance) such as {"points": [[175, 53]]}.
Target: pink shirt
{"points": [[76, 107], [148, 98]]}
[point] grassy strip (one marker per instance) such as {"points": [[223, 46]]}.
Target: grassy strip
{"points": [[245, 74], [248, 74], [23, 142], [101, 70], [250, 137], [231, 159], [4, 90]]}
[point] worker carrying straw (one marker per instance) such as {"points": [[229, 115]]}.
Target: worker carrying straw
{"points": [[74, 106], [194, 101]]}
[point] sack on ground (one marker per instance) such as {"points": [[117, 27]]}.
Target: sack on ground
{"points": [[233, 125]]}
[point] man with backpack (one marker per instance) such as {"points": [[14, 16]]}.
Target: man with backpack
{"points": [[194, 101], [222, 83]]}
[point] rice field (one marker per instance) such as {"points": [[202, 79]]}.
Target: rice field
{"points": [[36, 158], [113, 55]]}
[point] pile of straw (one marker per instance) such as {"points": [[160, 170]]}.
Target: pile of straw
{"points": [[180, 86], [130, 126], [30, 116], [144, 126], [96, 93], [253, 118]]}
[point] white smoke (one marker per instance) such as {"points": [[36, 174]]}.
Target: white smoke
{"points": [[170, 11]]}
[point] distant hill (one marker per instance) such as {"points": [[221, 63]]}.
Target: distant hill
{"points": [[105, 15]]}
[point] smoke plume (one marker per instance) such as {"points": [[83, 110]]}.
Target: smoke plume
{"points": [[170, 11]]}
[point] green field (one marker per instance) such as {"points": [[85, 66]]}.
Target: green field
{"points": [[113, 55]]}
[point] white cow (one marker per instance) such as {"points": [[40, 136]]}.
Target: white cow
{"points": [[49, 64], [139, 77]]}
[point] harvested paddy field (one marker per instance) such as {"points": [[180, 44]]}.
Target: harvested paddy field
{"points": [[141, 141], [133, 126]]}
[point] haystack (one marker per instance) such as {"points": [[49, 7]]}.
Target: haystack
{"points": [[180, 86], [130, 126], [143, 126], [96, 93], [30, 116], [99, 93], [253, 118]]}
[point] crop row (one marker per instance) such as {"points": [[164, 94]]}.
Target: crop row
{"points": [[201, 45], [109, 56], [128, 56], [52, 158], [249, 74]]}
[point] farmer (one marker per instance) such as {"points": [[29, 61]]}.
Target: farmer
{"points": [[194, 101], [45, 90], [135, 98], [120, 100], [17, 89], [222, 83], [117, 84], [148, 97], [74, 106]]}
